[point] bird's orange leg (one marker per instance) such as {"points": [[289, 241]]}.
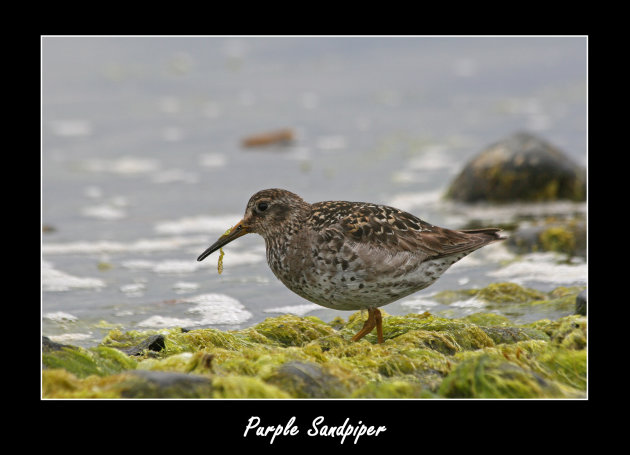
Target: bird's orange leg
{"points": [[379, 325], [374, 320]]}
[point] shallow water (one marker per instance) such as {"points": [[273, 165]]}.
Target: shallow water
{"points": [[143, 166]]}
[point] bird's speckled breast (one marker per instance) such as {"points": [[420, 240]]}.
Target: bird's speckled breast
{"points": [[347, 276]]}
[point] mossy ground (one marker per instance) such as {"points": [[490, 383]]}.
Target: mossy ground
{"points": [[483, 355]]}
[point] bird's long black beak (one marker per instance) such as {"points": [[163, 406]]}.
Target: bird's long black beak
{"points": [[237, 231]]}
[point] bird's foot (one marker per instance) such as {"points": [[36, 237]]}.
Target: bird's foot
{"points": [[374, 320]]}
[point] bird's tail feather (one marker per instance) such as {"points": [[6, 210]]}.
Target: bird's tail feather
{"points": [[494, 234]]}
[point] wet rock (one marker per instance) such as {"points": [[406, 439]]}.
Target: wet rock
{"points": [[153, 343], [308, 380], [163, 384], [48, 345], [580, 303], [522, 167]]}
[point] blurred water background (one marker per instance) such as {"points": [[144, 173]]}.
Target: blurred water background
{"points": [[143, 165]]}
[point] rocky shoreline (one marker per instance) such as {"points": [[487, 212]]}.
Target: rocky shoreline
{"points": [[483, 355]]}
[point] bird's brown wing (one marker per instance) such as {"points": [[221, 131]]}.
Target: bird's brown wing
{"points": [[380, 226]]}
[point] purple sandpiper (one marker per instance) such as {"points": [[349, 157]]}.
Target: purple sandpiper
{"points": [[351, 255]]}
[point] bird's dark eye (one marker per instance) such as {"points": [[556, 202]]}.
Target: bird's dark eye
{"points": [[262, 206]]}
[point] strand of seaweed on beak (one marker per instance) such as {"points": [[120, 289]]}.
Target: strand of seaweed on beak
{"points": [[221, 253]]}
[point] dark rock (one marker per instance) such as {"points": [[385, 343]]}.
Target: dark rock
{"points": [[522, 167], [48, 345], [580, 303], [152, 343], [164, 384], [307, 380]]}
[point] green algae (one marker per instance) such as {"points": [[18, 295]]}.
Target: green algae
{"points": [[395, 388], [60, 383], [416, 362], [487, 319], [568, 237], [568, 332], [116, 338], [468, 336], [457, 334], [482, 355], [260, 362], [501, 330], [492, 376], [194, 340], [569, 366], [493, 293], [560, 299], [245, 387], [436, 341], [502, 335], [292, 330], [558, 239], [101, 360], [564, 371], [561, 235], [508, 292], [177, 363]]}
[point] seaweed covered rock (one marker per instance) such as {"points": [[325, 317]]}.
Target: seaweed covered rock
{"points": [[568, 332], [492, 376], [151, 343], [100, 360], [503, 335], [60, 383], [162, 384], [522, 167], [480, 355], [308, 380], [292, 330], [496, 293], [562, 236]]}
